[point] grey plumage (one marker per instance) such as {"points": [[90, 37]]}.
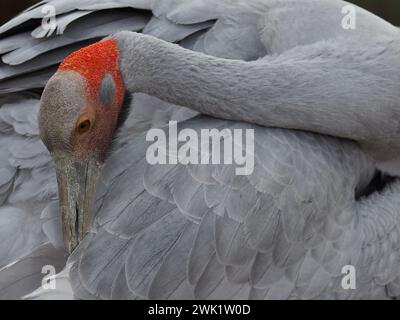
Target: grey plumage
{"points": [[95, 27], [174, 231], [285, 89]]}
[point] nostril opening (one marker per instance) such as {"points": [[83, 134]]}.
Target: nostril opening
{"points": [[379, 182], [76, 220]]}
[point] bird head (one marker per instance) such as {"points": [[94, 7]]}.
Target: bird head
{"points": [[80, 111]]}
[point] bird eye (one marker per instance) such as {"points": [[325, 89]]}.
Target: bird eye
{"points": [[84, 126]]}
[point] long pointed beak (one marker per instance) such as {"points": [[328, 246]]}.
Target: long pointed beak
{"points": [[77, 182]]}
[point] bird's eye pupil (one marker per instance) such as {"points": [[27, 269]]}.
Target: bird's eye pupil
{"points": [[84, 126]]}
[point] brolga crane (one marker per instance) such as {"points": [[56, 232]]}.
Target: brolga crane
{"points": [[323, 102]]}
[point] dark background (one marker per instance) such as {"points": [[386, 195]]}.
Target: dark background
{"points": [[387, 9]]}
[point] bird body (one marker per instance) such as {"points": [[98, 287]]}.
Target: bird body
{"points": [[199, 231]]}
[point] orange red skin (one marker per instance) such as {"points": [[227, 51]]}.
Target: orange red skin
{"points": [[92, 63]]}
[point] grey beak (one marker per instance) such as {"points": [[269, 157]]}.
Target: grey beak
{"points": [[77, 182]]}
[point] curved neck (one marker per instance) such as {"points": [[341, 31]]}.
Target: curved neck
{"points": [[327, 93]]}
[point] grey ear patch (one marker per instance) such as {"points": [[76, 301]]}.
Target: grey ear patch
{"points": [[107, 91]]}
